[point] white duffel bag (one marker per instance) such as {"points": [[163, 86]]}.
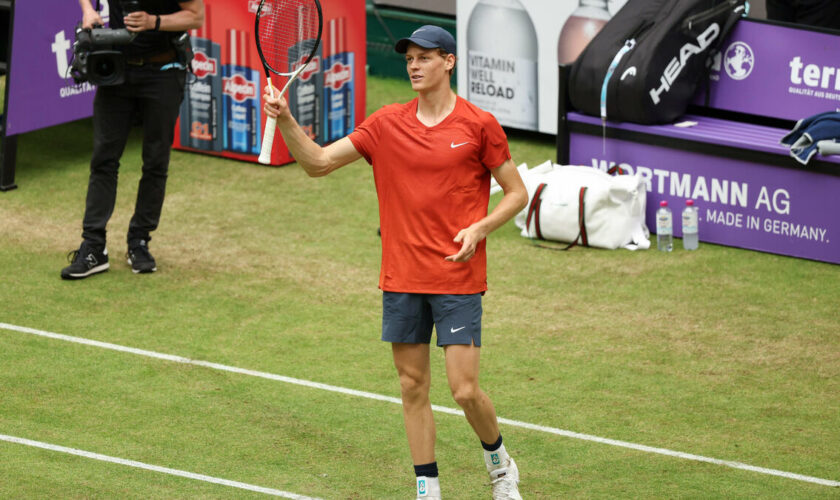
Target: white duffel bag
{"points": [[584, 206]]}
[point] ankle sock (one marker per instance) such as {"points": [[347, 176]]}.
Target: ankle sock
{"points": [[427, 470], [495, 455], [428, 487], [494, 446], [428, 483]]}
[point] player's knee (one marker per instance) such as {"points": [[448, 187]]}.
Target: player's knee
{"points": [[466, 395], [414, 385]]}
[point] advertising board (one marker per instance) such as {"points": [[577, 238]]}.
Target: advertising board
{"points": [[221, 113], [508, 52], [41, 91]]}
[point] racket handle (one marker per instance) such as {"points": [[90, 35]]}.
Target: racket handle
{"points": [[268, 140]]}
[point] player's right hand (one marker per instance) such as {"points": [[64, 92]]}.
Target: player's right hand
{"points": [[274, 106]]}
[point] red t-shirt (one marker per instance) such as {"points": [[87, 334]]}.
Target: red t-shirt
{"points": [[431, 182]]}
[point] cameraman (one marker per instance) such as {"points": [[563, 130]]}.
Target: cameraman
{"points": [[151, 94]]}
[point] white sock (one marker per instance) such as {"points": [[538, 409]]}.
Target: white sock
{"points": [[495, 459], [428, 487]]}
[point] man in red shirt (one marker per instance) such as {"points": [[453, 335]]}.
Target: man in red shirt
{"points": [[432, 159]]}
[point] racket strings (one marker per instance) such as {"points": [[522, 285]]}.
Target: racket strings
{"points": [[287, 31]]}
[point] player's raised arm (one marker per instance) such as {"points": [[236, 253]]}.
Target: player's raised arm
{"points": [[316, 160]]}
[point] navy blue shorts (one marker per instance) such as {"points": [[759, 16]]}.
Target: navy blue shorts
{"points": [[409, 317]]}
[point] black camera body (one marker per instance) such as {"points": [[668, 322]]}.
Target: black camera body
{"points": [[95, 57]]}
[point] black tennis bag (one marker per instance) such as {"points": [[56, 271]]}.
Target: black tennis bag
{"points": [[644, 66]]}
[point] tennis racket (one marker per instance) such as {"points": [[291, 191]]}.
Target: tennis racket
{"points": [[288, 34]]}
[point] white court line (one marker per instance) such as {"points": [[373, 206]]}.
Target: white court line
{"points": [[154, 468], [440, 409]]}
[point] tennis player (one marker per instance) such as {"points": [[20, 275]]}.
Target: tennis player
{"points": [[432, 160]]}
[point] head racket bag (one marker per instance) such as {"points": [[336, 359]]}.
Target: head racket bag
{"points": [[644, 66]]}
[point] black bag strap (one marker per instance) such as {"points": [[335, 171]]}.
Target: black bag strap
{"points": [[737, 9]]}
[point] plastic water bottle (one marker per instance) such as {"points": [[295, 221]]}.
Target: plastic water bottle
{"points": [[689, 226], [664, 228]]}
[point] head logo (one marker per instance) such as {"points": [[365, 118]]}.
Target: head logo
{"points": [[239, 88], [421, 487], [738, 61], [203, 65], [686, 52], [337, 76], [494, 457]]}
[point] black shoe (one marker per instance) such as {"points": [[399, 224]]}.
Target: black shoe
{"points": [[139, 258], [85, 261]]}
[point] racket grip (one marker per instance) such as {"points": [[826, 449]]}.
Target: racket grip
{"points": [[268, 140]]}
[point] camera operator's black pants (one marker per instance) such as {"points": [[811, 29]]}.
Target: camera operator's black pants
{"points": [[154, 97]]}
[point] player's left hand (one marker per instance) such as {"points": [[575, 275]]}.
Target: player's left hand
{"points": [[139, 21], [468, 238]]}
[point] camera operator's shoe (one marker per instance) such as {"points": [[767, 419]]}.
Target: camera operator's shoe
{"points": [[85, 261], [505, 482], [139, 258]]}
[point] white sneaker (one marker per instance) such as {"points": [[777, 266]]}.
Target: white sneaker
{"points": [[428, 488], [505, 481]]}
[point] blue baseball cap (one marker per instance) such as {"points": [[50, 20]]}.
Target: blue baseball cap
{"points": [[428, 37]]}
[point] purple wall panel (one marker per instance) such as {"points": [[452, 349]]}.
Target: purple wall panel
{"points": [[41, 94], [778, 71], [788, 211]]}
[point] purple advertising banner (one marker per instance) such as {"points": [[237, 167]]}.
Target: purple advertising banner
{"points": [[778, 71], [780, 210], [41, 91]]}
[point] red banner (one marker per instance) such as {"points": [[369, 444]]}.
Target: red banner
{"points": [[222, 110]]}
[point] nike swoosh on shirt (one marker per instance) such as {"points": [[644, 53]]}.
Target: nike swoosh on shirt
{"points": [[453, 330], [453, 145]]}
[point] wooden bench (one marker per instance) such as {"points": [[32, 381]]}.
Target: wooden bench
{"points": [[725, 152]]}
